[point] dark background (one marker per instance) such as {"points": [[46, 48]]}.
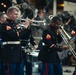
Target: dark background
{"points": [[40, 4]]}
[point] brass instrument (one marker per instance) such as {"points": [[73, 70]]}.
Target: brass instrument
{"points": [[50, 17], [33, 22], [67, 39]]}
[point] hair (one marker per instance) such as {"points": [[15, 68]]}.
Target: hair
{"points": [[10, 9], [25, 5], [55, 19]]}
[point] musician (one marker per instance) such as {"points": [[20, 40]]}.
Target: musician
{"points": [[3, 18], [11, 47], [27, 12], [27, 38], [41, 26], [73, 33], [67, 19], [51, 64]]}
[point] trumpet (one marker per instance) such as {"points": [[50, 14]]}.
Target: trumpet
{"points": [[33, 22], [67, 39], [37, 21]]}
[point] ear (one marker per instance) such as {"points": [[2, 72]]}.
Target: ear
{"points": [[9, 13]]}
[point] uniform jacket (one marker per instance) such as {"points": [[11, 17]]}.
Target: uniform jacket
{"points": [[46, 53], [10, 52], [26, 36]]}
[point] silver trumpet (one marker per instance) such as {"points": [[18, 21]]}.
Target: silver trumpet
{"points": [[67, 39], [33, 22]]}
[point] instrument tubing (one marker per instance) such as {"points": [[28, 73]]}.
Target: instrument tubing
{"points": [[11, 42]]}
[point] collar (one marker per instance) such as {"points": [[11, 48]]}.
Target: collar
{"points": [[11, 21]]}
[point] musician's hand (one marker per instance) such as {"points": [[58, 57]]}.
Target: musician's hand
{"points": [[73, 32], [18, 33], [65, 47], [58, 32], [53, 45], [27, 23], [8, 28], [35, 46], [68, 21]]}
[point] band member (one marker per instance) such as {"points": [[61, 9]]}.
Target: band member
{"points": [[11, 47], [51, 64], [27, 38], [27, 12], [3, 18], [73, 33]]}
